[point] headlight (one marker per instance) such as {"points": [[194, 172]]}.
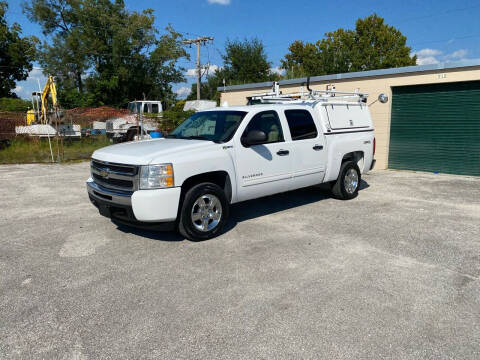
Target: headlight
{"points": [[156, 176]]}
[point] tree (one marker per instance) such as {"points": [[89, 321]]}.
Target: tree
{"points": [[102, 53], [16, 54], [380, 46], [372, 45], [175, 115], [14, 105], [244, 62], [302, 60], [208, 89]]}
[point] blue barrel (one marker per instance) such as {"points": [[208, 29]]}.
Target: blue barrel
{"points": [[103, 131], [156, 134]]}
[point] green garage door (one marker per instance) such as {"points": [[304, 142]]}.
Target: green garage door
{"points": [[436, 128]]}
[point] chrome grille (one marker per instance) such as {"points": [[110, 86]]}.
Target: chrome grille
{"points": [[115, 176]]}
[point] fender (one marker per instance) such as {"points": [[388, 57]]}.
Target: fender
{"points": [[213, 159]]}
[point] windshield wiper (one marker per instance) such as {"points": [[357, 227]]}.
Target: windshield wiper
{"points": [[197, 137], [193, 137]]}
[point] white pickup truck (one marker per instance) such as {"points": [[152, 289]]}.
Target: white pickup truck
{"points": [[226, 155]]}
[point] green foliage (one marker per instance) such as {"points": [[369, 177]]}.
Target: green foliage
{"points": [[175, 115], [13, 104], [104, 54], [72, 98], [302, 60], [245, 62], [34, 150], [16, 54], [208, 88], [372, 45]]}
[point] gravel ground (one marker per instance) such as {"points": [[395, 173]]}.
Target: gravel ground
{"points": [[391, 274]]}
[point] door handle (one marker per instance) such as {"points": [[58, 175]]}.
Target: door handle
{"points": [[283, 152], [318, 147]]}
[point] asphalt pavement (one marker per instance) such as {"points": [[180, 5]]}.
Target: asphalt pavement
{"points": [[392, 274]]}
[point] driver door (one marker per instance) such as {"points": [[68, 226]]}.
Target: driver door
{"points": [[266, 168]]}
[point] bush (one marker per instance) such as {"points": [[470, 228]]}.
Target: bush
{"points": [[17, 105], [175, 115]]}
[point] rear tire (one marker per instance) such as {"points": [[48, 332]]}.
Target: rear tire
{"points": [[204, 212], [348, 182]]}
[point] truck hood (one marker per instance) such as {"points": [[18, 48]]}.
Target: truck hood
{"points": [[144, 152]]}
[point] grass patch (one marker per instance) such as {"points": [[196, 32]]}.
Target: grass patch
{"points": [[34, 150]]}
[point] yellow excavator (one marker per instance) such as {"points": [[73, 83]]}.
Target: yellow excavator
{"points": [[39, 113], [42, 113], [31, 117], [45, 121]]}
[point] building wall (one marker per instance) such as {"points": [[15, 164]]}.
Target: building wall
{"points": [[375, 85]]}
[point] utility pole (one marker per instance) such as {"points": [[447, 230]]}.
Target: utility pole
{"points": [[199, 41]]}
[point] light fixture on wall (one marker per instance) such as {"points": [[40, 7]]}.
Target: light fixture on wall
{"points": [[382, 98]]}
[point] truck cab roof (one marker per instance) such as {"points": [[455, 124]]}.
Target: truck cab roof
{"points": [[334, 116]]}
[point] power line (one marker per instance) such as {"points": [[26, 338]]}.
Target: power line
{"points": [[199, 41], [182, 61], [446, 40], [463, 37], [441, 13]]}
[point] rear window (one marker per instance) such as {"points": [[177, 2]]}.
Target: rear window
{"points": [[301, 124]]}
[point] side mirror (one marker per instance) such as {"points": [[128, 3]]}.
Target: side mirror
{"points": [[254, 137]]}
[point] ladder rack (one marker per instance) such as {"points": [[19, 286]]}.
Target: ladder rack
{"points": [[329, 95]]}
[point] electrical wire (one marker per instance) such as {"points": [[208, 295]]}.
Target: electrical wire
{"points": [[182, 61]]}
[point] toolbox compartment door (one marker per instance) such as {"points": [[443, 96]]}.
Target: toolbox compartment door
{"points": [[348, 116]]}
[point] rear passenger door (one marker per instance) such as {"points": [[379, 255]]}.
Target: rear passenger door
{"points": [[308, 148]]}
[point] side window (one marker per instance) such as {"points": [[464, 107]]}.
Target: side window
{"points": [[301, 124], [269, 123], [155, 108], [145, 109]]}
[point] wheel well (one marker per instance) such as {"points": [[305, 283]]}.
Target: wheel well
{"points": [[220, 178], [355, 156], [134, 129]]}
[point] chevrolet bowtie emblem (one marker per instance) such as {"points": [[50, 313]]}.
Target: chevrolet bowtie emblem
{"points": [[104, 174]]}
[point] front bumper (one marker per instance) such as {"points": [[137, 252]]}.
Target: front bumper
{"points": [[152, 209], [107, 195]]}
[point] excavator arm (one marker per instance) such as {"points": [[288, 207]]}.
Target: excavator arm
{"points": [[51, 89]]}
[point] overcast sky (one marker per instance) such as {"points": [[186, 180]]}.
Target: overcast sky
{"points": [[437, 30]]}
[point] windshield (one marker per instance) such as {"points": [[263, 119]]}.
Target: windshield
{"points": [[217, 126], [135, 107]]}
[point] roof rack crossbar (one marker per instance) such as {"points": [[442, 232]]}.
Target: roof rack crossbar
{"points": [[312, 95]]}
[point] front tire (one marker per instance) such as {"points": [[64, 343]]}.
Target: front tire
{"points": [[348, 182], [130, 135], [204, 212]]}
